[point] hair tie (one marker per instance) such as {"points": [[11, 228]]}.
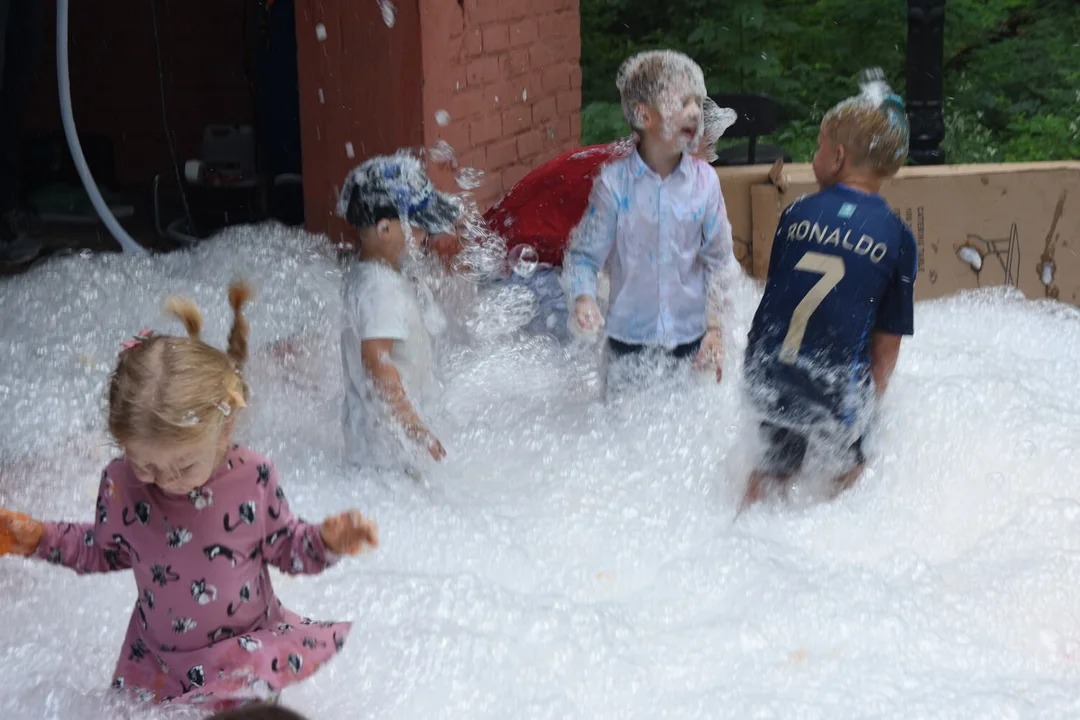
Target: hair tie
{"points": [[894, 100], [137, 339]]}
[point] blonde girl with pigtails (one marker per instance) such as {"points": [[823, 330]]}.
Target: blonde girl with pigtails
{"points": [[198, 520]]}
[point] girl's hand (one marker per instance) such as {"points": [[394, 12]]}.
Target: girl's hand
{"points": [[711, 352], [348, 533], [19, 534]]}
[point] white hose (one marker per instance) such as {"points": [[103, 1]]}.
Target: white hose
{"points": [[118, 232]]}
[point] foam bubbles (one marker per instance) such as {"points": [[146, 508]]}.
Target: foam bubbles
{"points": [[469, 178], [573, 560], [388, 8], [523, 260], [442, 152], [502, 310]]}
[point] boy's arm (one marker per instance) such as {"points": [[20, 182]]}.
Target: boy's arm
{"points": [[591, 241], [375, 354], [896, 313], [378, 322], [884, 350], [718, 255]]}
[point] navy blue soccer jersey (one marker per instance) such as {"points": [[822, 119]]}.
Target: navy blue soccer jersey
{"points": [[843, 265]]}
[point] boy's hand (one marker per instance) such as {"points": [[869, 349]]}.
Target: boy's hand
{"points": [[423, 436], [587, 313], [348, 533], [711, 353], [19, 534], [435, 448]]}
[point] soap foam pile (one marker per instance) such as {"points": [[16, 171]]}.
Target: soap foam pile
{"points": [[577, 561]]}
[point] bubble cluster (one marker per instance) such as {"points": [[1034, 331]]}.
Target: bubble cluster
{"points": [[524, 260]]}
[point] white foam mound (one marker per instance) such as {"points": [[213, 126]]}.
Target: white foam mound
{"points": [[573, 562]]}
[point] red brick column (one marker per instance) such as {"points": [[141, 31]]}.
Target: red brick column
{"points": [[507, 72], [359, 95]]}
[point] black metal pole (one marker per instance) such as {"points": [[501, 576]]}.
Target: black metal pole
{"points": [[925, 68]]}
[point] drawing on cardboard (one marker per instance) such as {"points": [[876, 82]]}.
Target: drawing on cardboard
{"points": [[1006, 250]]}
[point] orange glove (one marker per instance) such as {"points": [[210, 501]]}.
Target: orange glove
{"points": [[19, 534], [348, 533]]}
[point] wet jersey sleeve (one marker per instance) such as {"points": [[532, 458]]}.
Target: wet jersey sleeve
{"points": [[291, 545], [592, 240], [897, 310], [95, 547]]}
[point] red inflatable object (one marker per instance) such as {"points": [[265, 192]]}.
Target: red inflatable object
{"points": [[547, 204]]}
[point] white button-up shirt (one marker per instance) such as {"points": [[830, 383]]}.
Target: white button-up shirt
{"points": [[669, 248]]}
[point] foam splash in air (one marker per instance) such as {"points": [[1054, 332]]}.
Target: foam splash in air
{"points": [[502, 310], [469, 178], [442, 118], [443, 153], [388, 8]]}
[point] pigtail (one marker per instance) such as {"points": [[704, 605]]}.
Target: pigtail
{"points": [[239, 294], [188, 313]]}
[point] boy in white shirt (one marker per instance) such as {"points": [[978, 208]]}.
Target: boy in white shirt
{"points": [[657, 219], [387, 349]]}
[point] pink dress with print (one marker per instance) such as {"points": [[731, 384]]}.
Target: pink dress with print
{"points": [[207, 626]]}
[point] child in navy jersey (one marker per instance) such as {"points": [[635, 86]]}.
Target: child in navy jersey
{"points": [[838, 298]]}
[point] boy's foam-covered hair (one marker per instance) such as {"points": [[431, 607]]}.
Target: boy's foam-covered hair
{"points": [[180, 390], [872, 126], [659, 79]]}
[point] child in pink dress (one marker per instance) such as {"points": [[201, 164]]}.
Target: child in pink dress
{"points": [[198, 520]]}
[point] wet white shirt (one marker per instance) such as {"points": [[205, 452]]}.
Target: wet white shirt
{"points": [[381, 303], [666, 241]]}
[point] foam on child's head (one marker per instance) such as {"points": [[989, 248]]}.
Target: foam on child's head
{"points": [[660, 79], [180, 390], [716, 121], [872, 126]]}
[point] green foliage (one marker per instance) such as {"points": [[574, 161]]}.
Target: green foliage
{"points": [[1012, 78]]}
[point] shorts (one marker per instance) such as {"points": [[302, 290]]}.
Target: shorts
{"points": [[679, 352], [626, 367], [785, 451]]}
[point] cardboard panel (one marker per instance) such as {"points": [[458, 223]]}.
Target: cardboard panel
{"points": [[736, 184], [976, 225]]}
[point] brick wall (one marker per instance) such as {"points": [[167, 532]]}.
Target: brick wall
{"points": [[359, 95], [507, 72]]}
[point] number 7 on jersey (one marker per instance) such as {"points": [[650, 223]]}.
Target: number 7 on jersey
{"points": [[831, 268]]}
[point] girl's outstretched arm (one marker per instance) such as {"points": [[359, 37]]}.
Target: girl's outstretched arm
{"points": [[297, 547], [83, 547]]}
